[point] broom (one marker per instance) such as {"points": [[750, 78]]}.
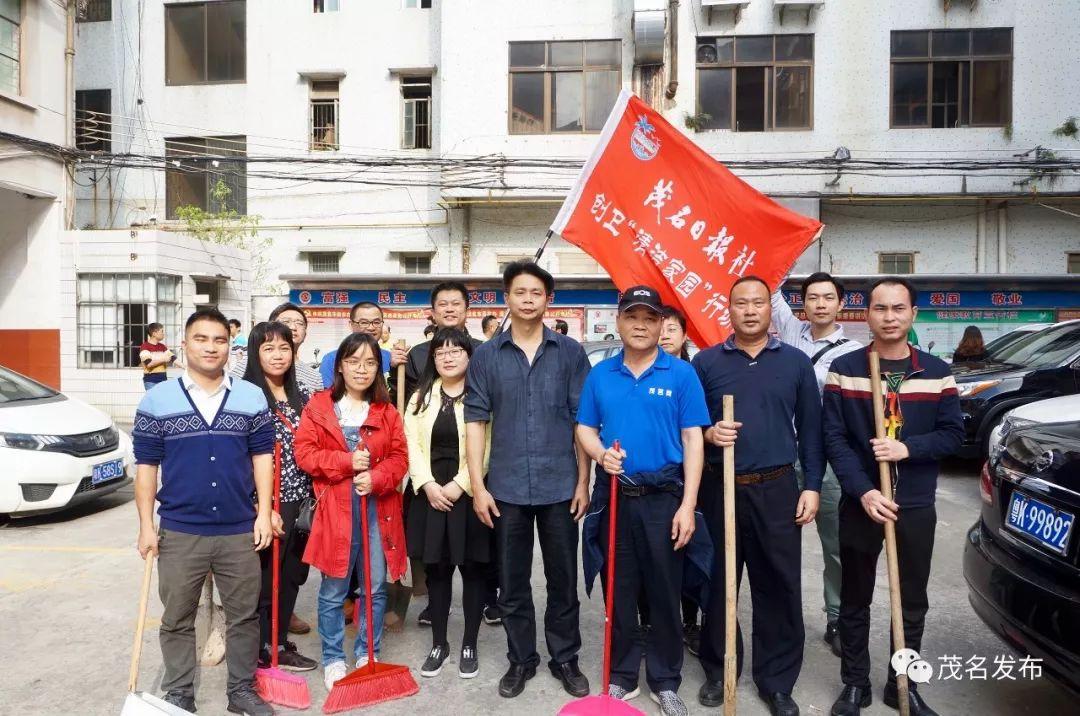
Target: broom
{"points": [[374, 682], [273, 684], [602, 703], [891, 560]]}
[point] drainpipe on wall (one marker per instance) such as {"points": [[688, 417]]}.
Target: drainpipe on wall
{"points": [[673, 40], [69, 123], [466, 240], [1003, 244], [980, 239]]}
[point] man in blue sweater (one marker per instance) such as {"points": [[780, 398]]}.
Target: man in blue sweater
{"points": [[212, 439], [923, 425], [777, 420]]}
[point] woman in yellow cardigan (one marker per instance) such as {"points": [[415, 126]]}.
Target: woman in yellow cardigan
{"points": [[443, 531]]}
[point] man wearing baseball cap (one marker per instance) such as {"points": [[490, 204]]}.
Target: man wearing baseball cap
{"points": [[653, 404]]}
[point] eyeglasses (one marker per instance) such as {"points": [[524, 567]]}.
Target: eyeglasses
{"points": [[356, 363], [449, 353], [376, 323], [293, 322]]}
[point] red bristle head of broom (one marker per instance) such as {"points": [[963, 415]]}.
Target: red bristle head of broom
{"points": [[282, 688], [370, 684]]}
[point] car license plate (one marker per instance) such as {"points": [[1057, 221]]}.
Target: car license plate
{"points": [[107, 471], [1041, 522]]}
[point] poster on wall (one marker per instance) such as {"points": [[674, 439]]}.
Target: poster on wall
{"points": [[945, 328], [600, 323]]}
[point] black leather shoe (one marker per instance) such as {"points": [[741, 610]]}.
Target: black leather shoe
{"points": [[513, 681], [780, 704], [832, 637], [711, 694], [916, 706], [853, 699], [180, 700], [571, 677]]}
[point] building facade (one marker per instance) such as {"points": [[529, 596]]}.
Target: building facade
{"points": [[385, 139]]}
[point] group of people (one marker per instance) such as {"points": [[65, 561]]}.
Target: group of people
{"points": [[496, 445]]}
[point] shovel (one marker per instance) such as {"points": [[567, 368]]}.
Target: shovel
{"points": [[140, 703], [602, 703]]}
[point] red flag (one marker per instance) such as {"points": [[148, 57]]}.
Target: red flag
{"points": [[653, 208]]}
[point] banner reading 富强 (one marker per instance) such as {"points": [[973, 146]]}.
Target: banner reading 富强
{"points": [[653, 208]]}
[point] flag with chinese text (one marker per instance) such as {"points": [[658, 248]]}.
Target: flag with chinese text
{"points": [[654, 208]]}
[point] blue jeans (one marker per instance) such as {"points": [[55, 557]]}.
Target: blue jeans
{"points": [[333, 590]]}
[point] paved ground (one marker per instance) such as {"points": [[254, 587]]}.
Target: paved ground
{"points": [[68, 594]]}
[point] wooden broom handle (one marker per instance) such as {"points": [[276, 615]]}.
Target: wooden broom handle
{"points": [[893, 564], [136, 647], [730, 586]]}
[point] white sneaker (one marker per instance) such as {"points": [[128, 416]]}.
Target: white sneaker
{"points": [[670, 703], [617, 692], [361, 660], [334, 671]]}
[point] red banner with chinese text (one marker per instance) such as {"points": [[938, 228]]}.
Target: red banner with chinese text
{"points": [[653, 208]]}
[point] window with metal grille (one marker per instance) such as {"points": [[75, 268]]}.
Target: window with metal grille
{"points": [[563, 86], [415, 263], [324, 262], [196, 164], [327, 6], [206, 42], [93, 123], [951, 78], [416, 113], [896, 263], [1073, 263], [323, 122], [94, 10], [755, 83], [113, 310], [10, 45]]}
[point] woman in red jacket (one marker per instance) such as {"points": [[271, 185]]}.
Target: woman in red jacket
{"points": [[352, 443]]}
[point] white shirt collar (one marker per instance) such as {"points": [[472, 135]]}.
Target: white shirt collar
{"points": [[831, 338], [190, 384]]}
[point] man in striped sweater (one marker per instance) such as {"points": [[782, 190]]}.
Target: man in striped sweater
{"points": [[212, 438], [924, 425]]}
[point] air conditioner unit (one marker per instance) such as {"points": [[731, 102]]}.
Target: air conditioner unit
{"points": [[650, 19]]}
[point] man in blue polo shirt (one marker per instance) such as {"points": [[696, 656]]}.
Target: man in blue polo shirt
{"points": [[212, 438], [776, 398], [654, 406]]}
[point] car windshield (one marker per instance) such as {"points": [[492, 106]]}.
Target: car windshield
{"points": [[1047, 348], [999, 344], [15, 387]]}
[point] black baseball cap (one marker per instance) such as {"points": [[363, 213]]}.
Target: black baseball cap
{"points": [[641, 296]]}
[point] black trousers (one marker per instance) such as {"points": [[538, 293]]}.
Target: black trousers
{"points": [[440, 580], [559, 545], [646, 562], [294, 573], [861, 541], [769, 545]]}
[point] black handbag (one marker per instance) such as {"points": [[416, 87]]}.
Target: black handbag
{"points": [[306, 515]]}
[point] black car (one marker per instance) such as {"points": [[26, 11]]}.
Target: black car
{"points": [[1022, 557], [1043, 365]]}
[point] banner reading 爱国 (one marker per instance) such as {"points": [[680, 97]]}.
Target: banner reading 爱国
{"points": [[653, 208]]}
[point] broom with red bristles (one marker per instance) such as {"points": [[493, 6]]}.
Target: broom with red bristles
{"points": [[374, 682], [273, 684]]}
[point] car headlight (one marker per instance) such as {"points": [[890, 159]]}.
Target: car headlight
{"points": [[968, 390], [27, 441]]}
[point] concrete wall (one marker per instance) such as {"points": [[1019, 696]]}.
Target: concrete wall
{"points": [[117, 391], [467, 40]]}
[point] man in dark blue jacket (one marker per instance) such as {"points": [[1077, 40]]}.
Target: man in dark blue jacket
{"points": [[777, 420], [923, 425]]}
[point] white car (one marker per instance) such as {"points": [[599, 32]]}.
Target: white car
{"points": [[55, 451], [1052, 410]]}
